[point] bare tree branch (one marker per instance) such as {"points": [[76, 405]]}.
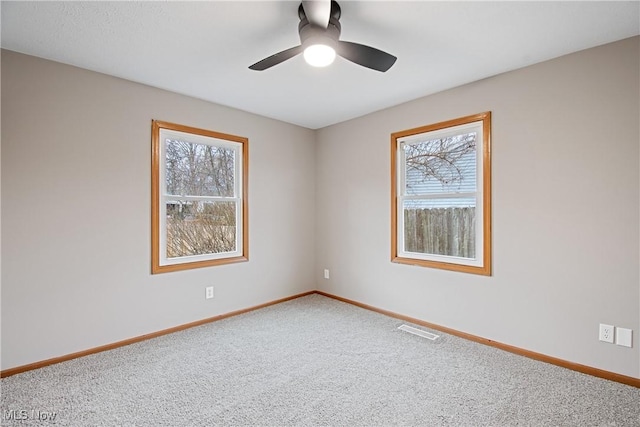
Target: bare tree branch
{"points": [[439, 158]]}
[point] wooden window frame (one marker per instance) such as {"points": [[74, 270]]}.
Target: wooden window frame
{"points": [[242, 254], [484, 264]]}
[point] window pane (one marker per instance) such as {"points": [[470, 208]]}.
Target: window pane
{"points": [[440, 227], [199, 228], [445, 165], [199, 169]]}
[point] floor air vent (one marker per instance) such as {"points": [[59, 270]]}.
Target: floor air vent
{"points": [[419, 332]]}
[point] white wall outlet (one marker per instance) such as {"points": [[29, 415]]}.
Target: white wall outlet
{"points": [[326, 273], [623, 337], [209, 292], [606, 333]]}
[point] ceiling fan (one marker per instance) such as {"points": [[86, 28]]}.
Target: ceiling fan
{"points": [[319, 30]]}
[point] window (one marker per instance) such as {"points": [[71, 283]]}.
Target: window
{"points": [[441, 195], [199, 198]]}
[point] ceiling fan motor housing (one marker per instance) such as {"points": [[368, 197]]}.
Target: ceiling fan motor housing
{"points": [[311, 34]]}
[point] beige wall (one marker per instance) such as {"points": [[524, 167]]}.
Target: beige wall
{"points": [[76, 154], [565, 202]]}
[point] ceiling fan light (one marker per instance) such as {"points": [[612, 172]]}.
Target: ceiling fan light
{"points": [[319, 55]]}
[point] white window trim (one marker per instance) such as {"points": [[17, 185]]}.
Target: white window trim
{"points": [[477, 195], [164, 197]]}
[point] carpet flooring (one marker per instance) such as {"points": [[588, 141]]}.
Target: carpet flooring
{"points": [[312, 361]]}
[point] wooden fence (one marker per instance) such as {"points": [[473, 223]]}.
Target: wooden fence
{"points": [[440, 231]]}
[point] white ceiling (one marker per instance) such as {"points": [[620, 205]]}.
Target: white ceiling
{"points": [[203, 49]]}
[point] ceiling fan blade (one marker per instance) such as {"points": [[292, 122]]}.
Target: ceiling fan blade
{"points": [[277, 58], [318, 12], [366, 56]]}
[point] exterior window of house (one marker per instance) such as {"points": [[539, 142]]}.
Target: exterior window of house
{"points": [[199, 198], [441, 195]]}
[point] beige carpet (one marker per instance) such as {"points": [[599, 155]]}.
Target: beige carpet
{"points": [[313, 361]]}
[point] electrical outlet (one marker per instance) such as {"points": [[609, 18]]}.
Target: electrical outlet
{"points": [[326, 273], [606, 333], [209, 292]]}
